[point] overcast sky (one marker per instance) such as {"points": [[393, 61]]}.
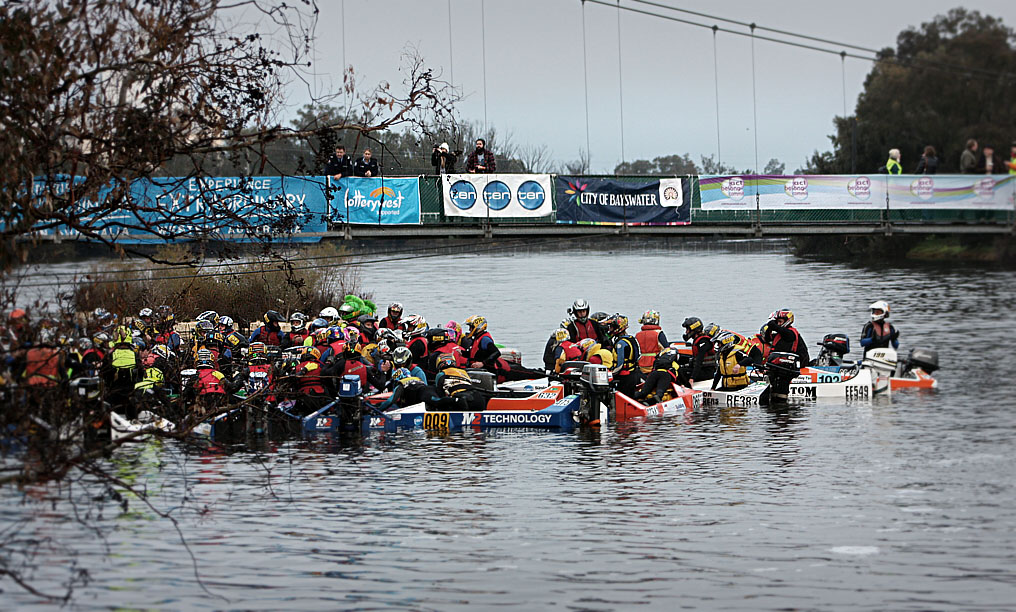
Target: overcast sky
{"points": [[534, 69]]}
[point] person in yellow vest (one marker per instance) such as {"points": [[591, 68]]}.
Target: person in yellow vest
{"points": [[651, 340], [1011, 164], [893, 165], [595, 353], [731, 363]]}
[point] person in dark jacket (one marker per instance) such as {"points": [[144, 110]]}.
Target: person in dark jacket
{"points": [[339, 164], [989, 162], [481, 160], [444, 160], [366, 166], [928, 163]]}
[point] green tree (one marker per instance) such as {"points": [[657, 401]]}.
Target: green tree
{"points": [[949, 80]]}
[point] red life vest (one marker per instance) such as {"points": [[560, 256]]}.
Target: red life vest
{"points": [[337, 347], [710, 354], [418, 341], [649, 346], [389, 323], [309, 378], [758, 343], [355, 366], [455, 350], [572, 352], [42, 367], [208, 382], [586, 329], [881, 329], [272, 337], [500, 365], [297, 338], [261, 371]]}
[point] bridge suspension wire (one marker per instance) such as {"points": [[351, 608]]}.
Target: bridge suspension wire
{"points": [[716, 85], [965, 71], [451, 53], [345, 91], [483, 44], [620, 77], [585, 75], [843, 72], [754, 102]]}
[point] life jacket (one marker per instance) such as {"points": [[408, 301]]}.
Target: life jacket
{"points": [[170, 339], [273, 337], [309, 380], [710, 355], [149, 359], [210, 382], [235, 339], [418, 343], [42, 367], [389, 323], [154, 377], [584, 329], [780, 345], [298, 337], [569, 352], [124, 359], [455, 380], [337, 347], [453, 349], [726, 365], [260, 379], [763, 346], [631, 356], [355, 366], [649, 346], [500, 365], [893, 167], [600, 355]]}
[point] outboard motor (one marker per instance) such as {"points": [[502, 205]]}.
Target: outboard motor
{"points": [[782, 368], [834, 347], [923, 358], [882, 361], [596, 389], [483, 379], [350, 407]]}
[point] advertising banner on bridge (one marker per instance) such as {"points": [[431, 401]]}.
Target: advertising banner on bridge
{"points": [[605, 201], [229, 208], [951, 192], [802, 192], [384, 201], [497, 195]]}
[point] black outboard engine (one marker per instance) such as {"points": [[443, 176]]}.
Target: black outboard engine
{"points": [[350, 406], [834, 347], [782, 368], [923, 358], [595, 389]]}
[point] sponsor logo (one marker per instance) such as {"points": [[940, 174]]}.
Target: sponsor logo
{"points": [[803, 391], [462, 194], [574, 192], [797, 188], [418, 421], [497, 195], [671, 194], [710, 401], [377, 422], [547, 395], [531, 195], [733, 188], [923, 188], [383, 191], [516, 419], [860, 187], [985, 188]]}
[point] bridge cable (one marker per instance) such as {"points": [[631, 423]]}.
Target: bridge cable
{"points": [[620, 78], [716, 84], [483, 44], [585, 77]]}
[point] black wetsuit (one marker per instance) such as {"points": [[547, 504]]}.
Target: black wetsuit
{"points": [[658, 383]]}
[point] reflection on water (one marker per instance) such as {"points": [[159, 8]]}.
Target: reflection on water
{"points": [[901, 503]]}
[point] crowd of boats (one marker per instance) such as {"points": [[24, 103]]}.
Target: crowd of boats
{"points": [[346, 370]]}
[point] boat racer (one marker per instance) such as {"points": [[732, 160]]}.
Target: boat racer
{"points": [[703, 352], [271, 332], [783, 337], [731, 363], [594, 352], [260, 374], [652, 340], [393, 320], [582, 326], [667, 371], [121, 370], [879, 333], [452, 381], [409, 390], [626, 355], [564, 349], [483, 353], [403, 358]]}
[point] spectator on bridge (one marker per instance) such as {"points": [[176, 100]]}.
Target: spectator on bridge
{"points": [[481, 160], [893, 165], [928, 163], [989, 162], [968, 159], [1011, 164], [339, 164], [365, 166], [444, 160]]}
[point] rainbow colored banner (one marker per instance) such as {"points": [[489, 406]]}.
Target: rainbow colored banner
{"points": [[952, 191], [374, 201]]}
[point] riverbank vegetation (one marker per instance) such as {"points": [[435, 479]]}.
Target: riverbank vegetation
{"points": [[999, 250]]}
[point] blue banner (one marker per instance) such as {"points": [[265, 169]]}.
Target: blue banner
{"points": [[598, 201], [385, 201], [216, 208]]}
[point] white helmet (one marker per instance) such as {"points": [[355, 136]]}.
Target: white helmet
{"points": [[879, 310], [329, 312], [577, 305]]}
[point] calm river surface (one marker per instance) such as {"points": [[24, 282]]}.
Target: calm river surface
{"points": [[904, 503]]}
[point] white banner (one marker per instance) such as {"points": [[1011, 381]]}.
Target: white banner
{"points": [[803, 192], [497, 195], [951, 192]]}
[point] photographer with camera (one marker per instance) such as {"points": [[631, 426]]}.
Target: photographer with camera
{"points": [[443, 160]]}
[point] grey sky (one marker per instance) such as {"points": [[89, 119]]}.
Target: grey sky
{"points": [[534, 69]]}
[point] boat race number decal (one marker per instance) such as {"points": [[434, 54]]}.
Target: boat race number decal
{"points": [[742, 400], [807, 392], [436, 420], [857, 391], [463, 194], [531, 195], [497, 195]]}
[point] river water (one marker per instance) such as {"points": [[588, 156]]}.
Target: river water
{"points": [[903, 503]]}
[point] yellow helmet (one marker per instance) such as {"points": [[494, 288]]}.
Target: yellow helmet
{"points": [[651, 317], [477, 325], [561, 334], [586, 344]]}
